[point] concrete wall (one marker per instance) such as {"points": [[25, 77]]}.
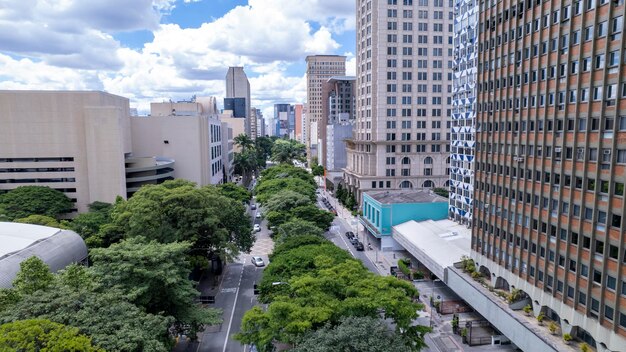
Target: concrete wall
{"points": [[88, 132], [497, 313]]}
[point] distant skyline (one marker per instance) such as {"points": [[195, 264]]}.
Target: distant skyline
{"points": [[156, 50]]}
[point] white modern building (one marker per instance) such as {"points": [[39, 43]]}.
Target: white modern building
{"points": [[404, 72], [238, 98]]}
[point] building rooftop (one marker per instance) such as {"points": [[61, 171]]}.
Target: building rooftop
{"points": [[406, 196], [437, 244], [56, 247], [342, 78]]}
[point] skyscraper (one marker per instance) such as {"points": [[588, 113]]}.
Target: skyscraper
{"points": [[463, 111], [551, 160], [339, 107], [238, 98], [404, 88], [319, 69]]}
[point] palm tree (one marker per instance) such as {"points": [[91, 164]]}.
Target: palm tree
{"points": [[244, 142], [245, 164]]}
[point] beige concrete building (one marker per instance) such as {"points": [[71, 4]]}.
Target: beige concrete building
{"points": [[75, 142], [184, 132], [319, 69], [404, 84]]}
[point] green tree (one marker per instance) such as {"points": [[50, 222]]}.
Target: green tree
{"points": [[42, 220], [245, 165], [321, 218], [268, 188], [179, 211], [441, 192], [154, 276], [286, 200], [287, 171], [317, 170], [34, 275], [43, 335], [90, 225], [244, 142], [234, 192], [297, 227], [263, 147], [34, 200], [363, 334], [286, 151]]}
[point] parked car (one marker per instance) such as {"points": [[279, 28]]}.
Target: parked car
{"points": [[253, 207], [359, 246], [354, 241], [350, 235], [258, 215], [257, 227], [258, 261]]}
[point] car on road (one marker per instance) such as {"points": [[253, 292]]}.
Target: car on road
{"points": [[258, 261], [359, 246], [354, 241], [253, 206], [257, 227], [350, 235], [258, 215]]}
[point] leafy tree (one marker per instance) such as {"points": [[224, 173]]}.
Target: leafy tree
{"points": [[297, 227], [286, 200], [34, 200], [296, 242], [42, 220], [179, 211], [90, 225], [270, 187], [8, 297], [43, 335], [277, 218], [234, 192], [245, 164], [363, 334], [317, 170], [286, 151], [154, 276], [321, 218], [441, 192], [263, 147], [76, 298], [34, 275], [286, 171]]}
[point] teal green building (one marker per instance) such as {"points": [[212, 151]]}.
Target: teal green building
{"points": [[384, 209]]}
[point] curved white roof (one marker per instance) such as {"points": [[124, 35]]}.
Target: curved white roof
{"points": [[18, 242]]}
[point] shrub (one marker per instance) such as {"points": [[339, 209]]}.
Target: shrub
{"points": [[584, 347], [403, 265], [540, 317], [475, 274], [527, 309], [567, 337], [418, 275], [552, 327]]}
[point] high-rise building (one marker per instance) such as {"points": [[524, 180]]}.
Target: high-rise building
{"points": [[404, 91], [257, 116], [339, 108], [319, 69], [238, 98], [550, 162], [284, 119], [299, 119], [463, 111]]}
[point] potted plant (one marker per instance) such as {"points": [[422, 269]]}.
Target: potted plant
{"points": [[464, 335], [567, 338], [552, 327], [455, 323], [540, 318], [527, 309], [584, 347]]}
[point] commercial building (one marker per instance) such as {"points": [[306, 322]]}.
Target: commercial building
{"points": [[319, 69], [57, 248], [384, 209], [257, 116], [299, 120], [284, 119], [404, 96], [463, 111], [339, 106], [186, 133], [75, 142], [237, 98], [550, 168]]}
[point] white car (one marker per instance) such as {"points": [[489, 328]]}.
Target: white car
{"points": [[257, 227], [258, 261], [258, 215]]}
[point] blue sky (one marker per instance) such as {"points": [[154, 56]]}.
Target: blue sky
{"points": [[154, 50]]}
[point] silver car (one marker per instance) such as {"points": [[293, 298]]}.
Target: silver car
{"points": [[258, 261]]}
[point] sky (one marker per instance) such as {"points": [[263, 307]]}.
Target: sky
{"points": [[157, 50]]}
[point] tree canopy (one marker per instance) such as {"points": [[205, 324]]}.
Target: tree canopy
{"points": [[34, 200], [43, 220], [234, 192], [363, 334], [43, 335], [267, 188], [90, 225], [296, 227], [286, 200], [34, 275], [286, 151]]}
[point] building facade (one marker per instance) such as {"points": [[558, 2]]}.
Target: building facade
{"points": [[339, 106], [463, 111], [284, 120], [237, 98], [299, 119], [319, 68], [550, 162], [75, 142], [257, 116], [404, 91]]}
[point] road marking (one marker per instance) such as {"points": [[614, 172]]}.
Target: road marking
{"points": [[232, 313], [229, 290]]}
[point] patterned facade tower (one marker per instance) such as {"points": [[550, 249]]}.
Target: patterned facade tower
{"points": [[463, 111]]}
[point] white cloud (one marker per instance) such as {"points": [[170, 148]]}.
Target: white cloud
{"points": [[69, 44]]}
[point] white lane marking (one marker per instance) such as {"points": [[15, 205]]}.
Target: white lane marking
{"points": [[344, 241], [232, 313]]}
